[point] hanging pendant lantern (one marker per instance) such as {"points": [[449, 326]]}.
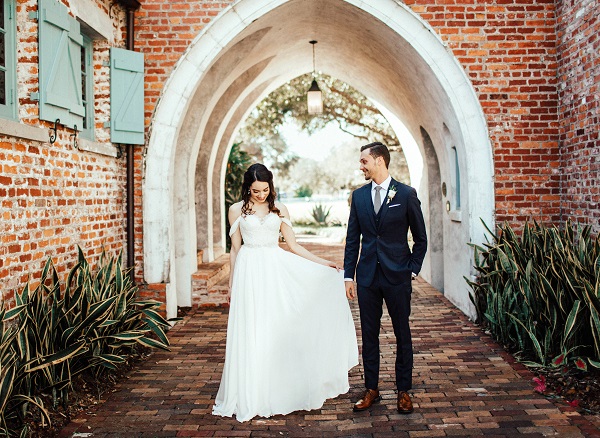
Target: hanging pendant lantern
{"points": [[314, 95]]}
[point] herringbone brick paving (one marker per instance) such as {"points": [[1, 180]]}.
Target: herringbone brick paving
{"points": [[464, 385]]}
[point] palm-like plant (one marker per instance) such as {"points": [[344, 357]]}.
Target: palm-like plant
{"points": [[55, 332], [540, 293], [320, 213]]}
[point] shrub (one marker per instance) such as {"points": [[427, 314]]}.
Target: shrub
{"points": [[539, 293], [304, 191], [55, 332]]}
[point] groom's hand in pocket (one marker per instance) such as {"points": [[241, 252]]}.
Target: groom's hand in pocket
{"points": [[350, 290]]}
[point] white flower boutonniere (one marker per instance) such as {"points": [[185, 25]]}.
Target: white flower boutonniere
{"points": [[391, 193]]}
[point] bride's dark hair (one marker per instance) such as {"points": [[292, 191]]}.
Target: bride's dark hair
{"points": [[258, 172]]}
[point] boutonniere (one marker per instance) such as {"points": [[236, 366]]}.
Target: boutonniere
{"points": [[391, 193]]}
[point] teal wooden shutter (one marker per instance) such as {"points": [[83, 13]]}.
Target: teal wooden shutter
{"points": [[126, 96], [8, 54], [60, 44]]}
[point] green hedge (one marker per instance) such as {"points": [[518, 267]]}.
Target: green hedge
{"points": [[538, 293], [90, 324]]}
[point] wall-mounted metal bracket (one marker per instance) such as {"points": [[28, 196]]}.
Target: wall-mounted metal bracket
{"points": [[53, 135], [74, 135], [119, 150]]}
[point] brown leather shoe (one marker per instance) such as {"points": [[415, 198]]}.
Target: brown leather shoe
{"points": [[405, 405], [371, 396]]}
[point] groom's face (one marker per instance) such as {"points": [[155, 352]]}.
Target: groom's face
{"points": [[368, 164]]}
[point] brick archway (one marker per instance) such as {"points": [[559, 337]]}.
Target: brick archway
{"points": [[254, 46]]}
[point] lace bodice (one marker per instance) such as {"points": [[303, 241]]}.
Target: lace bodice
{"points": [[259, 232]]}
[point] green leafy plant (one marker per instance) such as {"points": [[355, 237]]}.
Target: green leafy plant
{"points": [[304, 191], [539, 293], [55, 332], [238, 163], [320, 213], [13, 404]]}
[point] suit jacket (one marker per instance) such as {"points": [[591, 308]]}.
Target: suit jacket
{"points": [[384, 236]]}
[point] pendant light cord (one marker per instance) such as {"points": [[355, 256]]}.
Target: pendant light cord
{"points": [[313, 42]]}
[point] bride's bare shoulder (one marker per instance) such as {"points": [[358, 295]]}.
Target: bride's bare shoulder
{"points": [[235, 210], [236, 207], [282, 208]]}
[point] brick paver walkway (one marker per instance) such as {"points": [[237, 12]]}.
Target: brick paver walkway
{"points": [[464, 385]]}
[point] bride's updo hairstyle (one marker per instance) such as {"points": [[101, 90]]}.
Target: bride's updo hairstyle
{"points": [[258, 172]]}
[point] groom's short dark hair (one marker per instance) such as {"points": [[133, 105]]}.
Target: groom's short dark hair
{"points": [[378, 149]]}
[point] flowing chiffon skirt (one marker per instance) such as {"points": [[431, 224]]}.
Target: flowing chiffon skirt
{"points": [[290, 337]]}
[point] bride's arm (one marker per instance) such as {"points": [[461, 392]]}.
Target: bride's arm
{"points": [[295, 247], [236, 238]]}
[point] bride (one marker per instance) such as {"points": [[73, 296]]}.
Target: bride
{"points": [[290, 336]]}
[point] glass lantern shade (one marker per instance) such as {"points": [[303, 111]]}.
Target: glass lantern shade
{"points": [[315, 99]]}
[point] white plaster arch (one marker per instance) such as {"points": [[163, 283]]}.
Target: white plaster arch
{"points": [[173, 149]]}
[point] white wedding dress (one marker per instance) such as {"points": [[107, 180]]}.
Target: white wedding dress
{"points": [[290, 337]]}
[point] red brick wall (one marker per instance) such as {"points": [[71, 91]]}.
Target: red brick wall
{"points": [[54, 197], [164, 30], [579, 77], [508, 49]]}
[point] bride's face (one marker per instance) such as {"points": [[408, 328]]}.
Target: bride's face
{"points": [[259, 190]]}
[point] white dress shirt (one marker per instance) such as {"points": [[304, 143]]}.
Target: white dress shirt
{"points": [[384, 186]]}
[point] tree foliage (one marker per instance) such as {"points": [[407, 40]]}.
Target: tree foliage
{"points": [[343, 105], [238, 163]]}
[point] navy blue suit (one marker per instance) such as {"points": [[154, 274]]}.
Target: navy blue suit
{"points": [[384, 272]]}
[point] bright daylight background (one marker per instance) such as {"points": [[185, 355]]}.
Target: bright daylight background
{"points": [[321, 148], [316, 146], [337, 151]]}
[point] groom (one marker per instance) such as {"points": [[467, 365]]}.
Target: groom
{"points": [[382, 212]]}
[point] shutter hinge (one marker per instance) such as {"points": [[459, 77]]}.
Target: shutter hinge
{"points": [[106, 124], [34, 15], [34, 96], [106, 63]]}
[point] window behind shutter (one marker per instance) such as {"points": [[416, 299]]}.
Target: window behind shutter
{"points": [[8, 82], [126, 96], [87, 82], [60, 44]]}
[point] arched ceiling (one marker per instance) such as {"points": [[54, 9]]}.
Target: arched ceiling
{"points": [[352, 46]]}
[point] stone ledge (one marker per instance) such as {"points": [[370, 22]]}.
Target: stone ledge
{"points": [[210, 284], [21, 130], [208, 270], [98, 148]]}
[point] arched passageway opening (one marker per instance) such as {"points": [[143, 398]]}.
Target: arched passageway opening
{"points": [[255, 46]]}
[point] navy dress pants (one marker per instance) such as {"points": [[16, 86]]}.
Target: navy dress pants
{"points": [[397, 299]]}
